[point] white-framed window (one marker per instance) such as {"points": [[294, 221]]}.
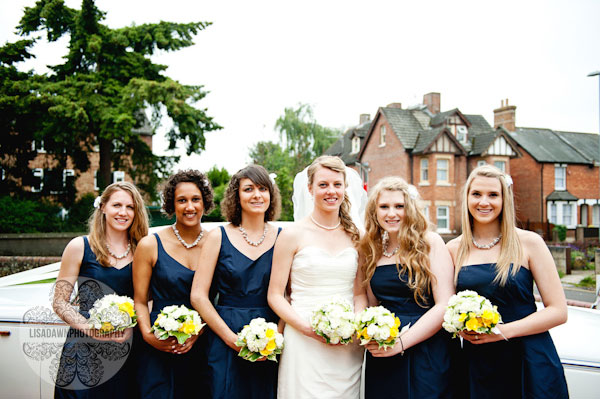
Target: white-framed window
{"points": [[560, 177], [567, 214], [96, 181], [38, 145], [118, 175], [596, 215], [481, 162], [461, 133], [382, 133], [38, 184], [500, 165], [442, 166], [424, 169], [562, 212], [426, 211], [553, 213], [584, 215], [443, 218], [355, 145]]}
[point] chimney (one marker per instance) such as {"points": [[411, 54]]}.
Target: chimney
{"points": [[395, 105], [364, 118], [432, 101], [505, 116]]}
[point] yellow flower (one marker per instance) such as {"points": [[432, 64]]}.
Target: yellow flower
{"points": [[364, 333], [270, 333], [265, 352], [393, 332], [106, 327], [462, 317], [489, 317], [396, 322], [127, 307], [472, 324], [187, 327], [271, 345], [160, 316]]}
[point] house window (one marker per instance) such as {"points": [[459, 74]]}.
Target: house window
{"points": [[561, 212], [560, 177], [442, 170], [382, 136], [118, 175], [584, 214], [426, 212], [443, 218], [38, 180], [500, 165], [552, 213], [96, 181], [424, 169], [481, 162], [567, 215], [596, 215], [38, 145], [461, 133], [355, 145]]}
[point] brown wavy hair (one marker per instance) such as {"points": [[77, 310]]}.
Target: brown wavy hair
{"points": [[413, 254], [231, 209], [337, 165], [511, 251], [187, 176], [97, 221]]}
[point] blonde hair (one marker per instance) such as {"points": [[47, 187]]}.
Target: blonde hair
{"points": [[337, 165], [413, 254], [97, 222], [511, 251]]}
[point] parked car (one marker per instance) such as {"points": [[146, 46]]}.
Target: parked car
{"points": [[31, 337]]}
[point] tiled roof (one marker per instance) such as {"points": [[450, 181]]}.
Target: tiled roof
{"points": [[404, 124], [438, 119], [546, 145], [481, 142], [478, 125], [426, 137], [343, 146], [561, 196]]}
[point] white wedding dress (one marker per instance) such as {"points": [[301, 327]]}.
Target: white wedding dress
{"points": [[308, 368]]}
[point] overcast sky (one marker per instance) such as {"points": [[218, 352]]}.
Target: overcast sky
{"points": [[349, 57]]}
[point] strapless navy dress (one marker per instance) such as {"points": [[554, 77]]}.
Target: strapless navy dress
{"points": [[164, 375], [523, 367], [424, 369], [240, 284], [84, 361]]}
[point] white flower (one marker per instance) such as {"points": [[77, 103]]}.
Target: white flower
{"points": [[97, 202]]}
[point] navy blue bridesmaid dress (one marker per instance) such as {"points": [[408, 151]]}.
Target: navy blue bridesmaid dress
{"points": [[424, 369], [240, 284], [523, 367], [164, 375], [83, 360]]}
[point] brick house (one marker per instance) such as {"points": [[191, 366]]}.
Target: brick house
{"points": [[433, 150]]}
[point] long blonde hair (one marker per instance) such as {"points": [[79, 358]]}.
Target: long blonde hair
{"points": [[97, 222], [511, 251], [413, 254], [337, 165]]}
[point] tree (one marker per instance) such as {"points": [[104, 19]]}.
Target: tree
{"points": [[303, 140], [219, 179], [98, 95]]}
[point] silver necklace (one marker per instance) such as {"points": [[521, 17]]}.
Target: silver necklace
{"points": [[325, 227], [384, 244], [119, 257], [254, 243], [185, 244], [487, 246]]}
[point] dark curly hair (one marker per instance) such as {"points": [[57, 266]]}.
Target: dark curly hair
{"points": [[187, 176], [230, 206]]}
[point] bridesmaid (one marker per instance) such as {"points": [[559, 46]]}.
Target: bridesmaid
{"points": [[237, 259], [100, 263], [408, 270], [163, 270], [502, 262]]}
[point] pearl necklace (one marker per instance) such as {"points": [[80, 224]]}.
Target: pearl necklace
{"points": [[254, 243], [118, 257], [325, 227], [487, 246], [185, 244]]}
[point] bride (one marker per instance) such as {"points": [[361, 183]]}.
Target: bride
{"points": [[318, 257]]}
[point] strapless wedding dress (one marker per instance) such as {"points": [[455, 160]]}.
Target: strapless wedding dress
{"points": [[309, 368]]}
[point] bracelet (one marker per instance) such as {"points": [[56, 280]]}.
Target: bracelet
{"points": [[401, 345]]}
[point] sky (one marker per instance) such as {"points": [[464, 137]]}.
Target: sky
{"points": [[346, 58]]}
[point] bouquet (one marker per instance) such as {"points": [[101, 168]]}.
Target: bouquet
{"points": [[470, 311], [378, 324], [334, 321], [259, 339], [112, 313], [177, 321]]}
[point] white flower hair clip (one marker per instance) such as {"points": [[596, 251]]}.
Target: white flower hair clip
{"points": [[273, 176], [205, 182], [509, 180], [413, 192], [97, 202]]}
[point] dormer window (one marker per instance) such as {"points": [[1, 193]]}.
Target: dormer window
{"points": [[461, 133], [382, 136], [355, 145]]}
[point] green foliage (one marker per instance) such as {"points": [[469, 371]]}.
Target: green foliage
{"points": [[587, 282], [219, 179], [304, 141], [80, 212], [561, 231], [26, 216], [97, 95]]}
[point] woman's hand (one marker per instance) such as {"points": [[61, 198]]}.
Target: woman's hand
{"points": [[373, 348], [478, 339]]}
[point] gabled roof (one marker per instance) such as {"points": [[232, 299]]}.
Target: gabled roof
{"points": [[561, 196], [404, 124], [546, 145], [438, 119], [343, 146], [482, 142], [478, 125], [428, 138]]}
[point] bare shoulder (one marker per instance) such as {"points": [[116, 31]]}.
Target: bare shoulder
{"points": [[75, 245], [530, 239], [434, 239], [147, 242], [453, 245], [213, 237]]}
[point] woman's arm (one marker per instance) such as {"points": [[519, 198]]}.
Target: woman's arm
{"points": [[283, 255], [361, 301], [442, 288], [201, 287], [143, 261]]}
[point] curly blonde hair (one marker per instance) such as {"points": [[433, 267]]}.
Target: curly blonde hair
{"points": [[97, 222], [337, 165], [413, 253], [511, 251]]}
